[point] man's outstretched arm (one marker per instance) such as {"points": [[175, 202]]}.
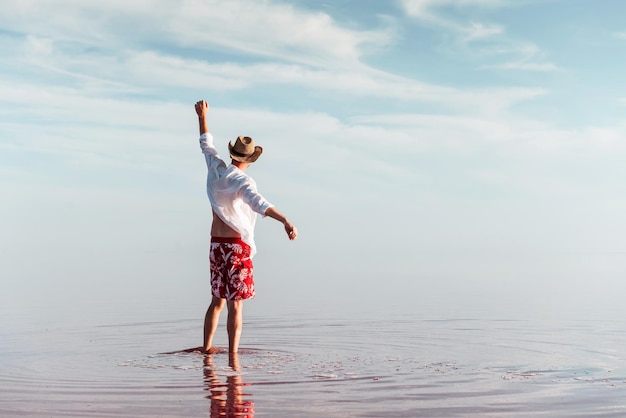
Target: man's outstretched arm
{"points": [[290, 228], [202, 109]]}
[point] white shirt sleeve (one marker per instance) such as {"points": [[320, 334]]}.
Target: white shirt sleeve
{"points": [[213, 160], [253, 199]]}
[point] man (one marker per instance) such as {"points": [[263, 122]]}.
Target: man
{"points": [[235, 202]]}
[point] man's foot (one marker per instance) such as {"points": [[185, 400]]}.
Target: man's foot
{"points": [[214, 350], [187, 350]]}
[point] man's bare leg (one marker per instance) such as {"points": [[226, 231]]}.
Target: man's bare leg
{"points": [[211, 320], [234, 324]]}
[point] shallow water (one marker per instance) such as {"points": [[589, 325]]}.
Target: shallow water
{"points": [[401, 366]]}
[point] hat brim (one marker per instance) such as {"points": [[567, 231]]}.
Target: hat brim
{"points": [[244, 158]]}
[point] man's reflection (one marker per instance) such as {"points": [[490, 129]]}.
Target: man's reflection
{"points": [[227, 399]]}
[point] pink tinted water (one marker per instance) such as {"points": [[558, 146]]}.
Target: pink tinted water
{"points": [[401, 366]]}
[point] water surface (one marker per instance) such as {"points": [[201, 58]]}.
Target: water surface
{"points": [[400, 366]]}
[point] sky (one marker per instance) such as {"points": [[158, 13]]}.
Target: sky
{"points": [[451, 158]]}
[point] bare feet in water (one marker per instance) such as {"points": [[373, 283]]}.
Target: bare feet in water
{"points": [[187, 350], [200, 350], [214, 350]]}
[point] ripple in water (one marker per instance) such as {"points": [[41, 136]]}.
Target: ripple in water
{"points": [[309, 367]]}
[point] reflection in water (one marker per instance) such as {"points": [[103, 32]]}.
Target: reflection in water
{"points": [[227, 399]]}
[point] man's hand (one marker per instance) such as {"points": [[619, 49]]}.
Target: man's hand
{"points": [[291, 230], [202, 109]]}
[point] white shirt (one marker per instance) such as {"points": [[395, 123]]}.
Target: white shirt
{"points": [[232, 193]]}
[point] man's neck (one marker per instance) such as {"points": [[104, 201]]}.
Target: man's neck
{"points": [[240, 165]]}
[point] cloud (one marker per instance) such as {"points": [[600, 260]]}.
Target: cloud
{"points": [[106, 132], [141, 72], [138, 72], [522, 65], [290, 34], [520, 56], [620, 35], [434, 12], [164, 70], [515, 135], [476, 31], [300, 36], [109, 61], [479, 39], [424, 9], [137, 68], [465, 32]]}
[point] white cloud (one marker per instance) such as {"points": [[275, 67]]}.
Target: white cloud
{"points": [[40, 47], [484, 111], [102, 64], [366, 82], [153, 69], [299, 36], [526, 66], [423, 9], [117, 132], [490, 39], [476, 31], [620, 35], [145, 71], [260, 28], [433, 11], [526, 56], [519, 136], [137, 71], [426, 12]]}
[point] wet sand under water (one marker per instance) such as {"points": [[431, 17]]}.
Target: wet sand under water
{"points": [[396, 367]]}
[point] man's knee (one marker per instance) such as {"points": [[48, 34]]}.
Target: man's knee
{"points": [[235, 306], [218, 303]]}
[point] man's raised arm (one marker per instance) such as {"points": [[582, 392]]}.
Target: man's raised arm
{"points": [[202, 109]]}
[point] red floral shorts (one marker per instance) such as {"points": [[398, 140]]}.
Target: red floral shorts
{"points": [[231, 269]]}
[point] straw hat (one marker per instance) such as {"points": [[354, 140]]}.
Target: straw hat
{"points": [[244, 150]]}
